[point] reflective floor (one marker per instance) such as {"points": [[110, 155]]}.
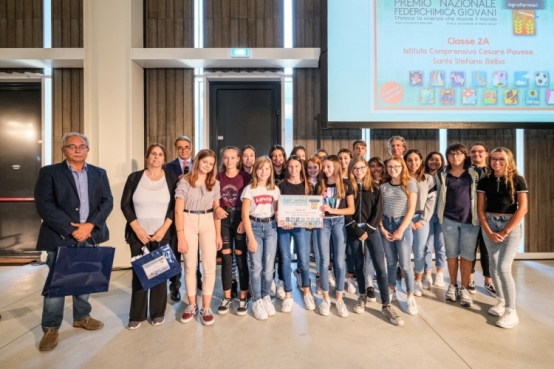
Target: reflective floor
{"points": [[443, 335]]}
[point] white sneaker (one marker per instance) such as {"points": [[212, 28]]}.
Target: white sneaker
{"points": [[287, 305], [465, 298], [349, 285], [309, 301], [418, 288], [498, 309], [412, 306], [268, 305], [298, 276], [272, 289], [403, 285], [359, 308], [332, 281], [259, 311], [341, 308], [426, 281], [324, 307], [392, 295], [508, 320], [280, 290], [452, 293], [392, 315], [439, 279]]}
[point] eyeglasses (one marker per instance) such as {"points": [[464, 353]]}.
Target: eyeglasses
{"points": [[359, 168], [183, 148], [394, 167], [75, 147], [457, 153], [500, 160]]}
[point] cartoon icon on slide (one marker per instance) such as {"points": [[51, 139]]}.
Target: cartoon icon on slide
{"points": [[457, 78], [427, 96], [541, 79], [415, 78], [550, 97], [489, 97], [524, 22], [479, 79], [447, 96], [521, 79], [469, 97], [437, 78], [531, 97], [510, 97], [499, 79]]}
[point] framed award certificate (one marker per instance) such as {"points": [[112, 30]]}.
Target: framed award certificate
{"points": [[300, 211]]}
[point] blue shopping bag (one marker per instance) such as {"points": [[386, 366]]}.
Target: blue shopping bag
{"points": [[156, 267], [79, 270]]}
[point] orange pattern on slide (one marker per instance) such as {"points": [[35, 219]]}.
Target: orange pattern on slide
{"points": [[392, 92]]}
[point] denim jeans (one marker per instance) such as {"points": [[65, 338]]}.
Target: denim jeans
{"points": [[436, 242], [302, 252], [52, 311], [399, 251], [420, 240], [262, 261], [501, 257], [459, 239], [369, 270], [333, 227], [376, 252]]}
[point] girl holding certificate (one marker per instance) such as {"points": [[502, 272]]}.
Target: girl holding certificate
{"points": [[295, 183], [338, 197]]}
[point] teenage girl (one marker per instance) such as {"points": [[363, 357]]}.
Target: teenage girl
{"points": [[196, 197], [248, 156], [338, 197], [259, 200], [345, 156]]}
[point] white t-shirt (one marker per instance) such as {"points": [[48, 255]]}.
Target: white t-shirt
{"points": [[150, 200], [261, 200]]}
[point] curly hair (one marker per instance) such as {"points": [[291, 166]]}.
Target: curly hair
{"points": [[510, 172]]}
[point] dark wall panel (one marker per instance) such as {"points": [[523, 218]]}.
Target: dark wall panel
{"points": [[490, 137], [169, 23], [539, 173], [425, 140], [20, 23], [67, 23]]}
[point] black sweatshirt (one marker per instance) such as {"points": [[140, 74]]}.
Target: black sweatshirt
{"points": [[369, 211]]}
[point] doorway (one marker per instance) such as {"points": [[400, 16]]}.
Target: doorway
{"points": [[245, 113]]}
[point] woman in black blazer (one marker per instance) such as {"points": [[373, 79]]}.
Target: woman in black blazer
{"points": [[148, 206]]}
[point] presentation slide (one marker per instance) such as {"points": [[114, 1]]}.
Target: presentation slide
{"points": [[441, 61]]}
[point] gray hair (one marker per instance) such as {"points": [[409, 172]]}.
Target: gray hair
{"points": [[183, 138], [396, 138], [74, 134]]}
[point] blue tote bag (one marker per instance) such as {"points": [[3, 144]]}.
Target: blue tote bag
{"points": [[156, 267], [79, 270]]}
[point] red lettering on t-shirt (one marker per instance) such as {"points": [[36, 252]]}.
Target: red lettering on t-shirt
{"points": [[263, 199]]}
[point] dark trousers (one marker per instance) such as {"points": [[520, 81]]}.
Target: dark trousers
{"points": [[140, 299], [237, 241], [376, 250], [484, 256]]}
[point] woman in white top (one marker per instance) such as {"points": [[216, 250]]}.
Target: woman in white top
{"points": [[196, 198], [147, 204]]}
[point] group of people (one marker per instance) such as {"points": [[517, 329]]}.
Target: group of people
{"points": [[375, 214]]}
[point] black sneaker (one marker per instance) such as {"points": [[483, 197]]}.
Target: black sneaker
{"points": [[370, 292], [224, 307], [489, 287], [243, 307], [471, 288], [234, 289]]}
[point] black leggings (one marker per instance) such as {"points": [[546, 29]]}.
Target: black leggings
{"points": [[237, 241], [484, 256]]}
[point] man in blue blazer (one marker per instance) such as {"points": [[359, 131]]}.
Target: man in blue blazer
{"points": [[73, 199], [180, 166]]}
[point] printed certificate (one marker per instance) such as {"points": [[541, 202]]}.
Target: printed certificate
{"points": [[300, 211]]}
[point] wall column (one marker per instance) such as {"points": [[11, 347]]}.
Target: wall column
{"points": [[113, 100]]}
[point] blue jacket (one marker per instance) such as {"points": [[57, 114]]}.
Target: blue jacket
{"points": [[175, 167], [58, 204]]}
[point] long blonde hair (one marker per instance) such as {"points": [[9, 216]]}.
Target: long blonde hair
{"points": [[367, 183], [257, 165], [404, 175], [511, 170], [322, 182], [192, 176]]}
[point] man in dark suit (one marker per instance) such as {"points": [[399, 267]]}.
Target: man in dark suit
{"points": [[180, 166], [73, 199]]}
